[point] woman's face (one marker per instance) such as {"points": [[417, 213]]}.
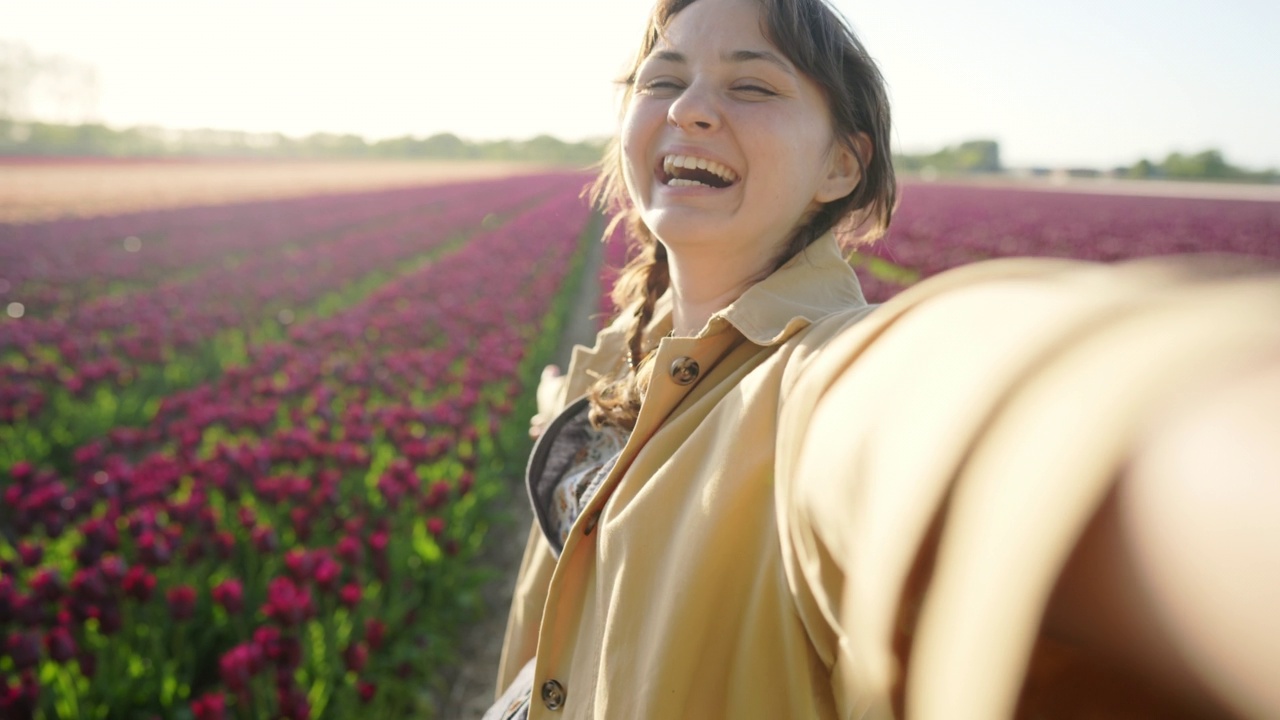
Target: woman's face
{"points": [[725, 143]]}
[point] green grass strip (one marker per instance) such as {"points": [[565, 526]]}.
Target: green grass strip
{"points": [[883, 269]]}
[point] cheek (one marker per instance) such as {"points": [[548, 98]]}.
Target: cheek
{"points": [[630, 176], [637, 128], [809, 135], [636, 134]]}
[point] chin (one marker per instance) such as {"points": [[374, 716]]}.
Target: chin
{"points": [[679, 227]]}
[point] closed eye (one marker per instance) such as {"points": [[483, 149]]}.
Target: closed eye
{"points": [[755, 90], [661, 86]]}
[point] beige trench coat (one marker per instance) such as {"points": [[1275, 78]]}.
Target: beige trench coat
{"points": [[859, 514]]}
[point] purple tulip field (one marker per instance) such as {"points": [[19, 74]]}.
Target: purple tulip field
{"points": [[249, 453], [246, 452], [938, 227]]}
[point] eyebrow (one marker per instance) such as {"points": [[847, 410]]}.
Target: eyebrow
{"points": [[737, 56]]}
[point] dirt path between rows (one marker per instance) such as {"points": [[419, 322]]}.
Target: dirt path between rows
{"points": [[471, 685]]}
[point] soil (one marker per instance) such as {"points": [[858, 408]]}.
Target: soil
{"points": [[39, 189], [1202, 190], [35, 190], [471, 684]]}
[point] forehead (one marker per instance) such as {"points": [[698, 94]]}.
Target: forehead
{"points": [[718, 25]]}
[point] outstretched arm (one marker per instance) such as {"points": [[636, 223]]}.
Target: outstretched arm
{"points": [[1019, 458], [1178, 576]]}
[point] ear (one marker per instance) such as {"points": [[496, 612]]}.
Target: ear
{"points": [[843, 171]]}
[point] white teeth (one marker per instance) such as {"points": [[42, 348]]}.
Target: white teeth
{"points": [[688, 161], [682, 182]]}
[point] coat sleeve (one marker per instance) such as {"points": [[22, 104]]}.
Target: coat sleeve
{"points": [[939, 460]]}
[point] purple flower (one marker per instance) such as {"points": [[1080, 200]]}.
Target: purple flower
{"points": [[299, 563], [435, 526], [374, 632], [224, 544], [326, 573], [88, 663], [300, 517], [139, 584], [182, 602], [24, 649], [30, 553], [238, 665], [154, 549], [264, 539], [354, 656], [90, 585], [293, 702], [113, 568], [288, 604], [349, 549], [210, 706], [60, 645], [230, 595], [47, 585], [378, 542], [350, 595]]}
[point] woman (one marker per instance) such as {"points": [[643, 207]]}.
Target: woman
{"points": [[760, 499]]}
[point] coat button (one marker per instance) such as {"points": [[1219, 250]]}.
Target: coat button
{"points": [[552, 695], [684, 370]]}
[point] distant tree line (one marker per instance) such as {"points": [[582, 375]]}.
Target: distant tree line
{"points": [[44, 139], [983, 156], [96, 140], [973, 156], [1206, 165]]}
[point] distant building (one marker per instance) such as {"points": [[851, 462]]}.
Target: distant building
{"points": [[1067, 173]]}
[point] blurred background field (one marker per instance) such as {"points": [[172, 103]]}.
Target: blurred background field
{"points": [[45, 188]]}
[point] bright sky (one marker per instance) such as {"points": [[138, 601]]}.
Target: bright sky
{"points": [[1088, 82]]}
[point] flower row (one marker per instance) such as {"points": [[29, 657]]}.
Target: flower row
{"points": [[48, 267], [156, 340], [938, 227]]}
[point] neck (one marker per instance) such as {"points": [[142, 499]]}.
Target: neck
{"points": [[703, 283]]}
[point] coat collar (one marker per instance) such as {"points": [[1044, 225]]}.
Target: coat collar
{"points": [[814, 284]]}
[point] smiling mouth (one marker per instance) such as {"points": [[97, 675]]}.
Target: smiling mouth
{"points": [[690, 171]]}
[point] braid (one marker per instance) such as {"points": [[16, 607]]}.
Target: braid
{"points": [[656, 280], [615, 399]]}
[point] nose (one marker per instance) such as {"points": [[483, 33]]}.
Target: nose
{"points": [[694, 109]]}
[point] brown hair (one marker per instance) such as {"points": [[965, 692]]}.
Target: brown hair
{"points": [[818, 41]]}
